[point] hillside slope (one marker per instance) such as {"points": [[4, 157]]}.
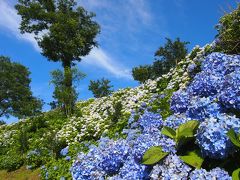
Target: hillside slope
{"points": [[40, 139]]}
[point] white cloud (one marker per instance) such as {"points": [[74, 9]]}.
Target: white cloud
{"points": [[100, 58], [10, 20]]}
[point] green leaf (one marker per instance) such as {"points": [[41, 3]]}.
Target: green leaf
{"points": [[187, 129], [193, 158], [188, 132], [153, 155], [167, 131], [233, 137], [236, 174]]}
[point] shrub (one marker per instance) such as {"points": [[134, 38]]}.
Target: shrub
{"points": [[228, 37], [11, 161]]}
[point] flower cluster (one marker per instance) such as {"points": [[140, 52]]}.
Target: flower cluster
{"points": [[106, 159], [175, 120], [64, 151], [147, 140], [216, 173], [211, 93], [212, 136], [230, 95], [180, 101], [202, 108], [171, 168], [149, 121]]}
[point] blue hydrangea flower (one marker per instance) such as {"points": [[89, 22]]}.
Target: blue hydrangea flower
{"points": [[175, 120], [113, 156], [179, 101], [202, 108], [205, 84], [86, 166], [217, 173], [133, 170], [149, 121], [64, 151], [147, 140], [212, 136], [171, 168], [230, 94], [220, 63], [67, 158]]}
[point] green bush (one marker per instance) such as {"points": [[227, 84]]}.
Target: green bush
{"points": [[228, 38], [11, 161]]}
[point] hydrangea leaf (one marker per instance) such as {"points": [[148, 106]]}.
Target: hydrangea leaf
{"points": [[186, 133], [233, 137], [187, 129], [167, 131], [153, 155], [236, 174], [193, 158]]}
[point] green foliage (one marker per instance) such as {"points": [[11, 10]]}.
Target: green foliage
{"points": [[11, 161], [193, 158], [115, 129], [236, 174], [153, 155], [100, 88], [23, 141], [68, 31], [66, 96], [167, 57], [183, 132], [142, 73], [235, 138], [228, 37], [172, 51], [167, 131], [16, 98], [193, 53], [163, 104], [117, 114], [162, 84], [58, 168]]}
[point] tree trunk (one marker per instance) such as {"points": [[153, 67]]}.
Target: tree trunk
{"points": [[68, 102]]}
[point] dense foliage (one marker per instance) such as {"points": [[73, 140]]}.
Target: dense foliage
{"points": [[62, 94], [16, 98], [167, 57], [63, 31], [100, 88], [228, 40]]}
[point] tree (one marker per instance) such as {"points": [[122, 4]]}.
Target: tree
{"points": [[65, 96], [16, 98], [63, 31], [142, 73], [167, 57], [172, 52], [100, 88]]}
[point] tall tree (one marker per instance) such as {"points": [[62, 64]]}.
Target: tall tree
{"points": [[172, 51], [100, 88], [64, 31], [16, 98]]}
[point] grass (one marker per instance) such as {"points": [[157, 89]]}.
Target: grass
{"points": [[20, 174]]}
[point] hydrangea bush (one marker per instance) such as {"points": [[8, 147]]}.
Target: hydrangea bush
{"points": [[208, 98]]}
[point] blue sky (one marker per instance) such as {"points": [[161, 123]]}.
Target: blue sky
{"points": [[131, 31]]}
